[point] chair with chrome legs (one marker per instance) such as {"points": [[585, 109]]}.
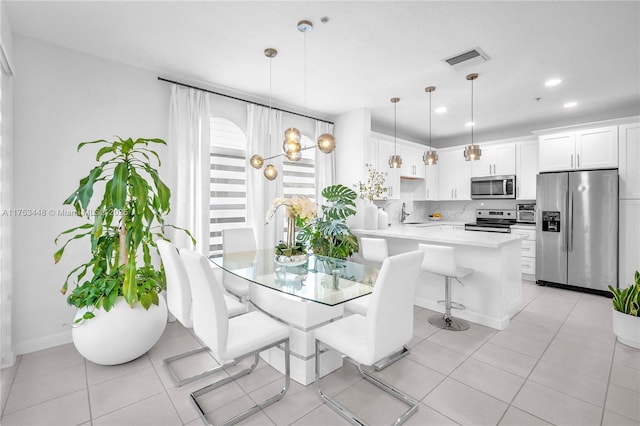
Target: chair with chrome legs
{"points": [[179, 304], [441, 260], [230, 338], [374, 250], [236, 240], [388, 325]]}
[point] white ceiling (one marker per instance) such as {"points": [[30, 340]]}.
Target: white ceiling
{"points": [[371, 51]]}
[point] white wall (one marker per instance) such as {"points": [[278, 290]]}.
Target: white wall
{"points": [[60, 99]]}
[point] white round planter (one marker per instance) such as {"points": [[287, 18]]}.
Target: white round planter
{"points": [[627, 328], [120, 335]]}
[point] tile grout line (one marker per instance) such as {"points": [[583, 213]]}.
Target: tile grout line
{"points": [[13, 380], [86, 380], [606, 393]]}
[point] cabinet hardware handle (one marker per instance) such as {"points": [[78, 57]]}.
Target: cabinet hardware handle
{"points": [[452, 194], [578, 165], [489, 168], [427, 193], [571, 160]]}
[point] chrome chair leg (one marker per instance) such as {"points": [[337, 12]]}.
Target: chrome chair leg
{"points": [[385, 362], [180, 382], [348, 415], [287, 380], [448, 321]]}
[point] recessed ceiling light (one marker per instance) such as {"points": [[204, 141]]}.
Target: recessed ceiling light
{"points": [[469, 123], [441, 109], [570, 104], [552, 82]]}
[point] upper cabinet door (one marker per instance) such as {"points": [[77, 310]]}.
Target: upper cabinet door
{"points": [[557, 152], [504, 159], [527, 169], [629, 159], [431, 181], [484, 165], [597, 148]]}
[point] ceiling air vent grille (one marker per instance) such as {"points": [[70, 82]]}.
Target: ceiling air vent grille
{"points": [[466, 59]]}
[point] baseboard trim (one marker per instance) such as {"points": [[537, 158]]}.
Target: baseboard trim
{"points": [[45, 342]]}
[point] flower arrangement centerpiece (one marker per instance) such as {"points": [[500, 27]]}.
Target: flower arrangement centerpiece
{"points": [[374, 187], [299, 212]]}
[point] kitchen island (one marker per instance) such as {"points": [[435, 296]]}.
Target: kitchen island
{"points": [[491, 294]]}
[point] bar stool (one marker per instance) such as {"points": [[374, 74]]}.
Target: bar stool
{"points": [[441, 260]]}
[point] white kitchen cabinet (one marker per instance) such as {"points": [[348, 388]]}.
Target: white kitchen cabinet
{"points": [[454, 176], [528, 257], [431, 181], [629, 242], [526, 169], [412, 164], [381, 149], [629, 161], [595, 148], [496, 160]]}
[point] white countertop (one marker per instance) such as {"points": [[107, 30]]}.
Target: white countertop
{"points": [[427, 232]]}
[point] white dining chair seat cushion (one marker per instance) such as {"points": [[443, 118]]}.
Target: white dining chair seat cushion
{"points": [[252, 331], [235, 284], [350, 336], [358, 306], [234, 307], [374, 249], [441, 260]]}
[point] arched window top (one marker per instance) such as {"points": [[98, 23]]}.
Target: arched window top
{"points": [[226, 134]]}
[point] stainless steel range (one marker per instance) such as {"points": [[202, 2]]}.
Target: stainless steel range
{"points": [[492, 221]]}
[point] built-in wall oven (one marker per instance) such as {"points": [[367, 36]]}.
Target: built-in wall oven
{"points": [[489, 187], [497, 220]]}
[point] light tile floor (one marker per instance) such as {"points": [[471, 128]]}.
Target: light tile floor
{"points": [[556, 363]]}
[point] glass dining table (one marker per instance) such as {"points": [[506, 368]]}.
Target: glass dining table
{"points": [[320, 279], [304, 296]]}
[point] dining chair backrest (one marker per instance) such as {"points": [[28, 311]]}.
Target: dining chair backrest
{"points": [[374, 249], [178, 289], [210, 319], [235, 240], [440, 260], [390, 312]]}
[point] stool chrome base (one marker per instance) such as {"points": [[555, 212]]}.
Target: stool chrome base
{"points": [[448, 322]]}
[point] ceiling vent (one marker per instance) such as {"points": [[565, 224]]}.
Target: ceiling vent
{"points": [[466, 59]]}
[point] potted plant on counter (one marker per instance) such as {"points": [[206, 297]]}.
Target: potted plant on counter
{"points": [[120, 312], [373, 189], [626, 313]]}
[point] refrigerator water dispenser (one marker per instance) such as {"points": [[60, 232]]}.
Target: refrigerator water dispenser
{"points": [[550, 221]]}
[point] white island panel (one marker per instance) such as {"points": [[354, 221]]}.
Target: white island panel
{"points": [[491, 294]]}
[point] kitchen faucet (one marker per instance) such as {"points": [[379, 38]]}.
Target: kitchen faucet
{"points": [[403, 214]]}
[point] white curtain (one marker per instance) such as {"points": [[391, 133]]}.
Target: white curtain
{"points": [[325, 163], [189, 149], [264, 132]]}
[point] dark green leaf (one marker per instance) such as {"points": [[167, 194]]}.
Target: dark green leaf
{"points": [[119, 186]]}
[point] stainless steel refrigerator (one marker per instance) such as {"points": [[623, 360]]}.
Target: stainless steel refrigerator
{"points": [[577, 229]]}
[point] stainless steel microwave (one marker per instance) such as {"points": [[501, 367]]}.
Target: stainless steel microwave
{"points": [[493, 187]]}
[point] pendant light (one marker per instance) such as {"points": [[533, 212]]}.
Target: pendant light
{"points": [[395, 161], [472, 152], [430, 157]]}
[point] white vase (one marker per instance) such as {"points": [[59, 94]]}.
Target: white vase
{"points": [[120, 335], [627, 328], [370, 216], [383, 219]]}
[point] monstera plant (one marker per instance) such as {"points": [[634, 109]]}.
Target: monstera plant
{"points": [[329, 235], [122, 228]]}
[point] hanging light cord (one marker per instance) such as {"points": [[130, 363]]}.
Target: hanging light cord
{"points": [[395, 125], [304, 80], [473, 124], [430, 121], [270, 93]]}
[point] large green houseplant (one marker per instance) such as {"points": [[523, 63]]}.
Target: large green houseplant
{"points": [[626, 313], [329, 235], [122, 229]]}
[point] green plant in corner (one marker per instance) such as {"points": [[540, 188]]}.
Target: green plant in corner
{"points": [[329, 235], [627, 300], [126, 222]]}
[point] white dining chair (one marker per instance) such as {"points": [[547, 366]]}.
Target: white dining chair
{"points": [[374, 251], [236, 240], [441, 260], [230, 339], [387, 326], [179, 303]]}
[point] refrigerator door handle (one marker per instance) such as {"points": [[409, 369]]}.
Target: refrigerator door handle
{"points": [[570, 222], [564, 232]]}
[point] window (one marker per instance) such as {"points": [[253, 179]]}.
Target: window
{"points": [[228, 186], [299, 178]]}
